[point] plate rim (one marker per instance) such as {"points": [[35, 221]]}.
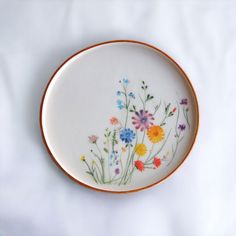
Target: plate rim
{"points": [[112, 42]]}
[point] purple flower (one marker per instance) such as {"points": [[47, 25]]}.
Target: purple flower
{"points": [[118, 93], [184, 101], [142, 120], [182, 127], [117, 171]]}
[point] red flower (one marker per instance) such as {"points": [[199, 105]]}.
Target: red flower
{"points": [[157, 162], [139, 165], [174, 110]]}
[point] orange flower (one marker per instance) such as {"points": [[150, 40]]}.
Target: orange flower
{"points": [[156, 162], [155, 134], [114, 120], [123, 149], [139, 165]]}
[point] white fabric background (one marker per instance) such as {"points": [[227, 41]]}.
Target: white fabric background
{"points": [[36, 198]]}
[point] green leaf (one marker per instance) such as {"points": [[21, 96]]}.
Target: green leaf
{"points": [[105, 150], [167, 108], [90, 173]]}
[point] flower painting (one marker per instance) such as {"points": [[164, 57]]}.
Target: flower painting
{"points": [[135, 142]]}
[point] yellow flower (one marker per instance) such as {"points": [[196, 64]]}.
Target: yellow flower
{"points": [[141, 149], [155, 134], [82, 158]]}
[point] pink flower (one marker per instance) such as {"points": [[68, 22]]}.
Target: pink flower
{"points": [[142, 120], [93, 139]]}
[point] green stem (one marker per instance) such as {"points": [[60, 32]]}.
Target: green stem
{"points": [[144, 132], [178, 138], [177, 120], [133, 154], [176, 148], [126, 167], [130, 161], [163, 120], [156, 108], [102, 163], [98, 168], [186, 117], [126, 106], [150, 153], [90, 171]]}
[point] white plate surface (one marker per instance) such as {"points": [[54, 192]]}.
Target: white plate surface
{"points": [[120, 116]]}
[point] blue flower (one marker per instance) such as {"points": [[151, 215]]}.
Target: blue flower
{"points": [[120, 104], [125, 81], [131, 95], [118, 93], [112, 155], [127, 135]]}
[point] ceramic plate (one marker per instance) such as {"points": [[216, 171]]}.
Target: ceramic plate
{"points": [[119, 116]]}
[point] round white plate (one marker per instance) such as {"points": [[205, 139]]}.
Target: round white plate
{"points": [[119, 116]]}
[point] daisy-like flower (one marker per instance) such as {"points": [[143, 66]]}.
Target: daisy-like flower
{"points": [[127, 135], [114, 121], [156, 162], [141, 149], [93, 139], [142, 120], [139, 165], [155, 134]]}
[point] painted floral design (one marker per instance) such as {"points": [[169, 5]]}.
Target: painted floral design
{"points": [[136, 142], [142, 120]]}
